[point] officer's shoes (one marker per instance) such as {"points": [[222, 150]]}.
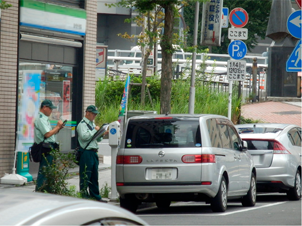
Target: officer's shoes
{"points": [[102, 200]]}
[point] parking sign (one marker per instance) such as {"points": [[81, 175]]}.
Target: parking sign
{"points": [[237, 49]]}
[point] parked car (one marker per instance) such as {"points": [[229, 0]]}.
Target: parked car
{"points": [[23, 207], [164, 158], [276, 151]]}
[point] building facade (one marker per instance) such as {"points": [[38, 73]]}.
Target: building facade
{"points": [[47, 51]]}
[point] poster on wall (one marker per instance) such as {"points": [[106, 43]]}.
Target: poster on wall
{"points": [[28, 109], [66, 100]]}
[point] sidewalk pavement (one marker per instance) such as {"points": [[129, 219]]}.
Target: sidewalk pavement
{"points": [[104, 178], [273, 112]]}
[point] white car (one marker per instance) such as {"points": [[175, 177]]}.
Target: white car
{"points": [[23, 207], [276, 151]]}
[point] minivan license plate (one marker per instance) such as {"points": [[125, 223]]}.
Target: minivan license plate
{"points": [[162, 174]]}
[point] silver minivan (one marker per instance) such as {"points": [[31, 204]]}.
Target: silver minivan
{"points": [[164, 158]]}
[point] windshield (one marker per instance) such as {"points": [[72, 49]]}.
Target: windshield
{"points": [[159, 133]]}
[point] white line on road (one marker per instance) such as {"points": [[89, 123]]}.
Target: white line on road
{"points": [[252, 208], [205, 215]]}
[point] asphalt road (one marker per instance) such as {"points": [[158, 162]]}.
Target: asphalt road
{"points": [[272, 209]]}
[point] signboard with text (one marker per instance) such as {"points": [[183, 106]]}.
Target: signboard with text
{"points": [[225, 17], [211, 23], [238, 33], [236, 70]]}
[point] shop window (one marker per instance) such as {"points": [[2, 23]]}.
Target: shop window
{"points": [[39, 81]]}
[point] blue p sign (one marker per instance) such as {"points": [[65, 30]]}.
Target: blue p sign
{"points": [[237, 49]]}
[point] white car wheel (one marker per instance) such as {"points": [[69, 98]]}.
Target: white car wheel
{"points": [[295, 192]]}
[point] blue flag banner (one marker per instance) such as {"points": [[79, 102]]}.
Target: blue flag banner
{"points": [[123, 107]]}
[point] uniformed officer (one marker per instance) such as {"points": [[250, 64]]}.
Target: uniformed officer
{"points": [[43, 130], [89, 162]]}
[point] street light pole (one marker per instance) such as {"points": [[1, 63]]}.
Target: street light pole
{"points": [[192, 87]]}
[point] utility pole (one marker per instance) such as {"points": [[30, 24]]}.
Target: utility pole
{"points": [[192, 87]]}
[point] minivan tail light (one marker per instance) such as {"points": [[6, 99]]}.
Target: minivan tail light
{"points": [[279, 148], [128, 159], [205, 158], [164, 117]]}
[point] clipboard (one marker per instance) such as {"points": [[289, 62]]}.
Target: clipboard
{"points": [[100, 132]]}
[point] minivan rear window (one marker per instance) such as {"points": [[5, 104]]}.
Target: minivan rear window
{"points": [[159, 133]]}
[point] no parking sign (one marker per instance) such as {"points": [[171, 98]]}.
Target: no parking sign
{"points": [[239, 17]]}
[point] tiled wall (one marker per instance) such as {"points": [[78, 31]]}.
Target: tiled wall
{"points": [[8, 85], [90, 54]]}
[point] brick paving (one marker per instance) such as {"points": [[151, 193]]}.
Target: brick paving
{"points": [[273, 112]]}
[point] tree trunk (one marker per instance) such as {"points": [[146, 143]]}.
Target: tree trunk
{"points": [[167, 51], [144, 74]]}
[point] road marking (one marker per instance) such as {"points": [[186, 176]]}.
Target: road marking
{"points": [[252, 208], [207, 215]]}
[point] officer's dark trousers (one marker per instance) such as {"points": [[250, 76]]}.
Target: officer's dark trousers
{"points": [[41, 179], [89, 175]]}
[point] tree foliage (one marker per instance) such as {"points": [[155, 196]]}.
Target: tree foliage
{"points": [[258, 11], [4, 5], [171, 9]]}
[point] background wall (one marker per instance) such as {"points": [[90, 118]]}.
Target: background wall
{"points": [[8, 85]]}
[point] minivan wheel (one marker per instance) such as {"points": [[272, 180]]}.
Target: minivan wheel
{"points": [[219, 202], [163, 204], [295, 192], [250, 198], [128, 203]]}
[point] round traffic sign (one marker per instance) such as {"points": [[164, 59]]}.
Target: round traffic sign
{"points": [[294, 24], [238, 17], [237, 49]]}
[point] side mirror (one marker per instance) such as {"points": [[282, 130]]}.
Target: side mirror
{"points": [[244, 145]]}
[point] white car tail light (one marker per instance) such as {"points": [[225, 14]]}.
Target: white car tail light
{"points": [[279, 148], [205, 158]]}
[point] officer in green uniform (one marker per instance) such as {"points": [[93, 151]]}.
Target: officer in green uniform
{"points": [[43, 130], [89, 162]]}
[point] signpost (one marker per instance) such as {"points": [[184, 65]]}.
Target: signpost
{"points": [[294, 27], [239, 17], [211, 23], [238, 33], [237, 49]]}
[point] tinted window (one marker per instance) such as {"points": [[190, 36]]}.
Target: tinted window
{"points": [[294, 137], [214, 133], [260, 145], [224, 133], [158, 133], [235, 140]]}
